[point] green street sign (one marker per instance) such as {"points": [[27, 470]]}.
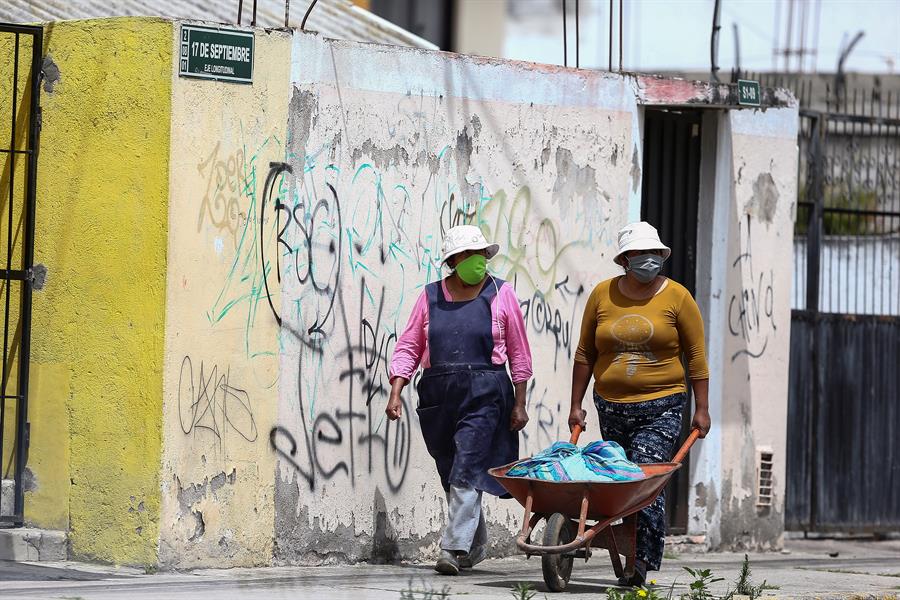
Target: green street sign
{"points": [[215, 53], [748, 92]]}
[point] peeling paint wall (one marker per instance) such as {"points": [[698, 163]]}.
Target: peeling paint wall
{"points": [[389, 148], [219, 402], [763, 154], [221, 359]]}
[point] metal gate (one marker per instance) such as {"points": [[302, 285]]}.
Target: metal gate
{"points": [[844, 399], [20, 74]]}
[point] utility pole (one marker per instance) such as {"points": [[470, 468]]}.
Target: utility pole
{"points": [[840, 80], [788, 33]]}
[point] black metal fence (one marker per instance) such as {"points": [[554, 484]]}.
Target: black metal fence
{"points": [[843, 448], [20, 74], [847, 236], [844, 404]]}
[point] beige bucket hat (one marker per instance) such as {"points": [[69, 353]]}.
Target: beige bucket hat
{"points": [[640, 236]]}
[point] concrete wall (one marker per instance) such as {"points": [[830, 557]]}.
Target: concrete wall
{"points": [[103, 186], [221, 358], [238, 335], [756, 328], [388, 149]]}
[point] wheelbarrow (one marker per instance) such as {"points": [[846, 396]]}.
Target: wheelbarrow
{"points": [[568, 506]]}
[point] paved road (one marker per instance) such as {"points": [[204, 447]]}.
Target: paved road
{"points": [[861, 569]]}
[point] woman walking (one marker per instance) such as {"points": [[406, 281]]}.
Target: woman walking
{"points": [[463, 330], [635, 329]]}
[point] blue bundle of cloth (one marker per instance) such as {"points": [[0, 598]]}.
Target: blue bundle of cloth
{"points": [[598, 461]]}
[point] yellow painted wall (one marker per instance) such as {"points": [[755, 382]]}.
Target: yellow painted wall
{"points": [[98, 325], [222, 350]]}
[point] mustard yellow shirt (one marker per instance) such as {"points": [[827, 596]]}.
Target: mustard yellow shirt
{"points": [[635, 346]]}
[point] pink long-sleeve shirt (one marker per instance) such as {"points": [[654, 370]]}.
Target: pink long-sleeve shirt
{"points": [[411, 349]]}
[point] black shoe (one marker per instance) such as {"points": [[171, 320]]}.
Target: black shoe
{"points": [[447, 564], [467, 560]]}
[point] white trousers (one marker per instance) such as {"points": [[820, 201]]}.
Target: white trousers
{"points": [[466, 530]]}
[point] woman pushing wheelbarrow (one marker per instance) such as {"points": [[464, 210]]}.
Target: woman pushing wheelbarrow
{"points": [[635, 329]]}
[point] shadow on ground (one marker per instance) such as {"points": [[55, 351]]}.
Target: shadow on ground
{"points": [[582, 586], [15, 571]]}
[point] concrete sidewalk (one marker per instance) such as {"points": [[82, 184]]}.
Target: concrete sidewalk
{"points": [[807, 569]]}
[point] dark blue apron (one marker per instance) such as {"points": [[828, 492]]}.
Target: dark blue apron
{"points": [[465, 401]]}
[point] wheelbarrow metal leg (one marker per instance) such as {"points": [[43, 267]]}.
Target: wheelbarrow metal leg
{"points": [[630, 529], [582, 518], [526, 522], [613, 548]]}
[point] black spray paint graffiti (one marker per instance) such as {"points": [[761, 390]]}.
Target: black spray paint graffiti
{"points": [[308, 261], [453, 214], [544, 409], [543, 318], [350, 438], [316, 262], [751, 310], [333, 439], [210, 404], [275, 169], [347, 431]]}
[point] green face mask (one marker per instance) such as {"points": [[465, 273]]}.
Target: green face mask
{"points": [[472, 269]]}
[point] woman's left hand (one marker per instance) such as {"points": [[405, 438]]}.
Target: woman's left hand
{"points": [[519, 418], [702, 422]]}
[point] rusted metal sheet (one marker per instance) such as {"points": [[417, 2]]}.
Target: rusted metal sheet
{"points": [[339, 19], [666, 91]]}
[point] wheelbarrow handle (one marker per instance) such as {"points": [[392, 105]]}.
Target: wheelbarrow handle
{"points": [[576, 431], [686, 447], [682, 452]]}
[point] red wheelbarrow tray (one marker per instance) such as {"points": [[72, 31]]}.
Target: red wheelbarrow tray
{"points": [[603, 502]]}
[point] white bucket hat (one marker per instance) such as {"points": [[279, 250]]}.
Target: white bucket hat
{"points": [[640, 236], [466, 237]]}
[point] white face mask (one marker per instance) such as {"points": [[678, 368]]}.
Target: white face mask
{"points": [[645, 267]]}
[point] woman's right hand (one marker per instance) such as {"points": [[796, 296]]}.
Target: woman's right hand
{"points": [[394, 408], [577, 417], [581, 377]]}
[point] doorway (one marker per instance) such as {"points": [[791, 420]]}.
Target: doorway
{"points": [[669, 201]]}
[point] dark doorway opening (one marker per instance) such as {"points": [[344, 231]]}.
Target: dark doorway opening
{"points": [[429, 19], [669, 201]]}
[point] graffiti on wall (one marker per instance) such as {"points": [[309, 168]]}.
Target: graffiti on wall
{"points": [[332, 243], [357, 240], [230, 212], [209, 404], [751, 308]]}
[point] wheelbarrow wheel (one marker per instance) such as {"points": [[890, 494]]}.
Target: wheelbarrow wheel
{"points": [[557, 567]]}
